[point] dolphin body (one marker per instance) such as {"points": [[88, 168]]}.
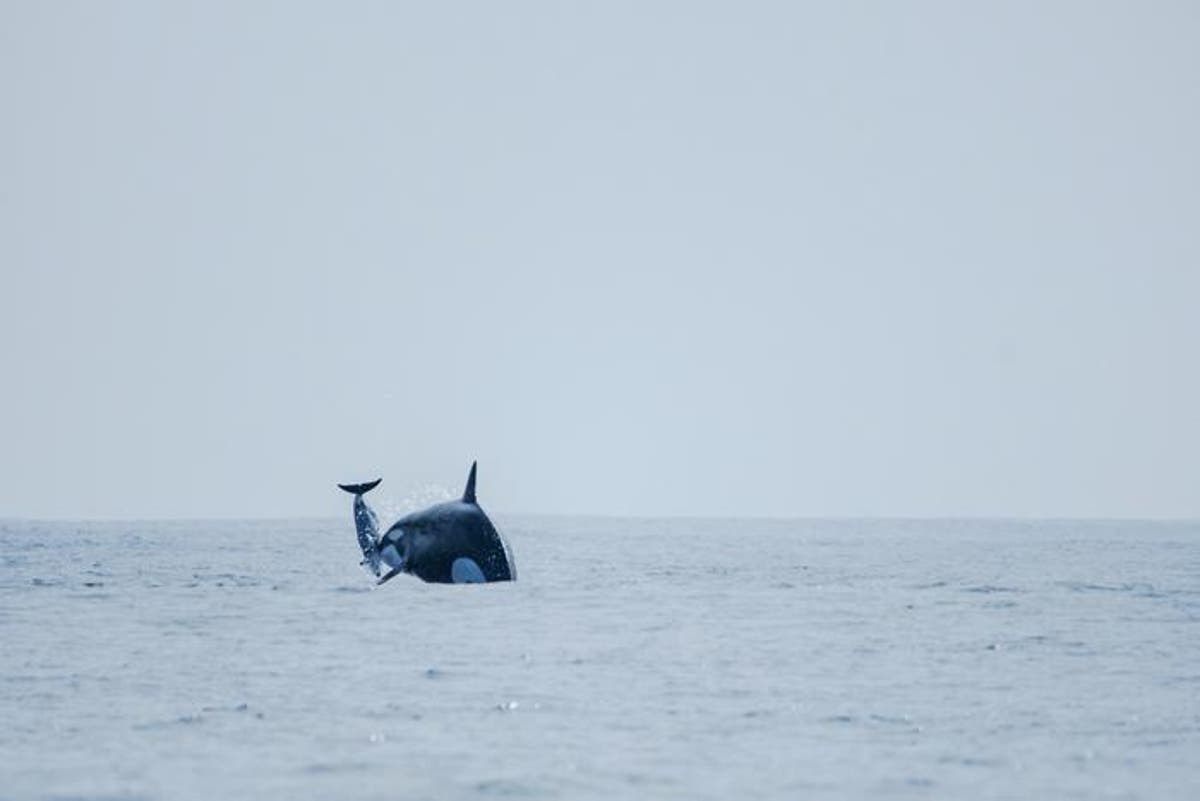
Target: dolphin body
{"points": [[450, 543]]}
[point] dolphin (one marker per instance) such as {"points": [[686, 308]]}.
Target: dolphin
{"points": [[449, 543]]}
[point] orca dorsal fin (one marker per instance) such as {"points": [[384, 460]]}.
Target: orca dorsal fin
{"points": [[469, 492]]}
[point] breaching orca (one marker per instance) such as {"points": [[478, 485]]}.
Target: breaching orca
{"points": [[450, 543]]}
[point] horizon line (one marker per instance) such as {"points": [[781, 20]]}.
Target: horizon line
{"points": [[1004, 518]]}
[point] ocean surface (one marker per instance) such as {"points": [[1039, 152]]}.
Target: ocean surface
{"points": [[681, 659]]}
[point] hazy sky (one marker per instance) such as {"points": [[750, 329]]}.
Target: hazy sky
{"points": [[637, 258]]}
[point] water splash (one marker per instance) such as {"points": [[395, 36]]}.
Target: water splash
{"points": [[415, 499]]}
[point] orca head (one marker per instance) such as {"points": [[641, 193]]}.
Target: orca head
{"points": [[394, 548], [405, 545]]}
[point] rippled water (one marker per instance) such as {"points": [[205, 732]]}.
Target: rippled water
{"points": [[635, 658]]}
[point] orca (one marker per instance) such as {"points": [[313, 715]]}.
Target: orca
{"points": [[449, 543]]}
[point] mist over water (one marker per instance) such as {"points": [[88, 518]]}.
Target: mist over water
{"points": [[635, 658]]}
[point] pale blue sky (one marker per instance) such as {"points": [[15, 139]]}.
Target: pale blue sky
{"points": [[637, 258]]}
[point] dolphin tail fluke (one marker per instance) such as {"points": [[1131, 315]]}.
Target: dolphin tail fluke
{"points": [[360, 489], [469, 492]]}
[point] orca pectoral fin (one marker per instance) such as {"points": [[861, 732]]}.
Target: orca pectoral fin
{"points": [[391, 574]]}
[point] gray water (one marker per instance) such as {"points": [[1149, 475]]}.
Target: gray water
{"points": [[633, 659]]}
